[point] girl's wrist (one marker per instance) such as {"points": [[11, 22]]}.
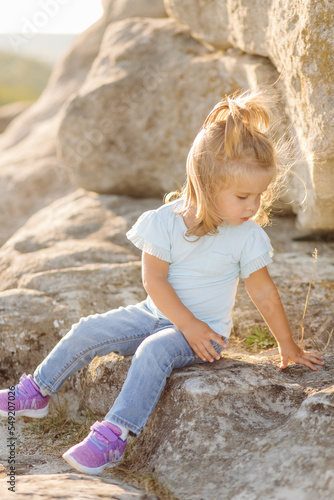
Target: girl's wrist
{"points": [[186, 319], [286, 340]]}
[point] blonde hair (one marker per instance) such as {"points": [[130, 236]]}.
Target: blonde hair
{"points": [[232, 144]]}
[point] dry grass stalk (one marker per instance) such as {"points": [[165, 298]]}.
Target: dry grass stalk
{"points": [[302, 325]]}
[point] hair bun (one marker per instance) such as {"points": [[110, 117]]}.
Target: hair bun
{"points": [[242, 114], [250, 108]]}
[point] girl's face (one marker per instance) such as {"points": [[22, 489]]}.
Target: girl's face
{"points": [[241, 200]]}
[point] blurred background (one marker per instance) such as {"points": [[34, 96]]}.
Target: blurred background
{"points": [[34, 35]]}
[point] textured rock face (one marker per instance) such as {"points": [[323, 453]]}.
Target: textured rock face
{"points": [[157, 85], [298, 39], [260, 453], [236, 429], [181, 80]]}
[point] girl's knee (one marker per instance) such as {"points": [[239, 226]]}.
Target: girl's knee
{"points": [[161, 347]]}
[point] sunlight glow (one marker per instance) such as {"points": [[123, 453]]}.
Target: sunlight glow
{"points": [[48, 16]]}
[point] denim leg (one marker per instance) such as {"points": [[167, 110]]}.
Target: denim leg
{"points": [[120, 331], [152, 363]]}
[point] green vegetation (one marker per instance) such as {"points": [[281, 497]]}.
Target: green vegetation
{"points": [[21, 79], [259, 339]]}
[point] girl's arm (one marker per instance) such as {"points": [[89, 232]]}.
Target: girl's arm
{"points": [[197, 333], [265, 296]]}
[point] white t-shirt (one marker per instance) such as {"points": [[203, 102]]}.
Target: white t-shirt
{"points": [[204, 272]]}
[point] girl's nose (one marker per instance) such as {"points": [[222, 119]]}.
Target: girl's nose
{"points": [[253, 205]]}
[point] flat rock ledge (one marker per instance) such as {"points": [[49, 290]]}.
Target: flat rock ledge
{"points": [[78, 486]]}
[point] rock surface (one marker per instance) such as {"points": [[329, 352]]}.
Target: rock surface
{"points": [[77, 486], [70, 260], [115, 10], [31, 175], [255, 437], [298, 38], [260, 434], [157, 84]]}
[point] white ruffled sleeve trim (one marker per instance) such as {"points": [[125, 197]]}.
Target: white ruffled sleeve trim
{"points": [[147, 246], [256, 253], [150, 235], [256, 264]]}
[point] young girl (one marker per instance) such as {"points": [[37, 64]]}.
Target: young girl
{"points": [[193, 251]]}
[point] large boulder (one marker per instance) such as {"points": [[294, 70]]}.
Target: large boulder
{"points": [[130, 127], [298, 39], [239, 428], [256, 435]]}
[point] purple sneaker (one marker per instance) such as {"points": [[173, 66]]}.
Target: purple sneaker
{"points": [[26, 400], [102, 448]]}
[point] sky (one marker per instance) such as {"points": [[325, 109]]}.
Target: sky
{"points": [[48, 16]]}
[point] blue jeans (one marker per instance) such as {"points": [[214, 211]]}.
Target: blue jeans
{"points": [[158, 347]]}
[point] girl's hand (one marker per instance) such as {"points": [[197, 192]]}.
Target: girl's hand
{"points": [[198, 335], [289, 350]]}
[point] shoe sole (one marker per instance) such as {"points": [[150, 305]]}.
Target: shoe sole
{"points": [[42, 412], [93, 471]]}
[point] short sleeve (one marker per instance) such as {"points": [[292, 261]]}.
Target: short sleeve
{"points": [[256, 253], [150, 234]]}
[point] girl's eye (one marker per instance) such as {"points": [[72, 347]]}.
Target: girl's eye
{"points": [[242, 197]]}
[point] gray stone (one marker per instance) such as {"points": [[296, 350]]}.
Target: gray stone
{"points": [[247, 431], [115, 10], [158, 85], [239, 428]]}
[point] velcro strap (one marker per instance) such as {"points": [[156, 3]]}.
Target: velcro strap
{"points": [[26, 386], [107, 433]]}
